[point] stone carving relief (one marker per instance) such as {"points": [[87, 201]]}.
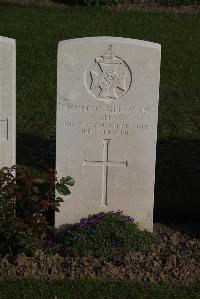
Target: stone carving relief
{"points": [[108, 77]]}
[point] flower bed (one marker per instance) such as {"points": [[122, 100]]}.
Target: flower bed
{"points": [[175, 259]]}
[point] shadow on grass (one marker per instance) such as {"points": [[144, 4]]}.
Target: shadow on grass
{"points": [[68, 2], [177, 185], [36, 152]]}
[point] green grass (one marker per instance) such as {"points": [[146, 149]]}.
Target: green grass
{"points": [[38, 31], [88, 289]]}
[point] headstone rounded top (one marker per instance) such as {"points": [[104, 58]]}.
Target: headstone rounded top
{"points": [[113, 39], [7, 40]]}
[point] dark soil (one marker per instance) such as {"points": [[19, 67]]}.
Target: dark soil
{"points": [[153, 6], [175, 259], [149, 6]]}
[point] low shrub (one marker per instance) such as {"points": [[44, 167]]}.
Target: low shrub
{"points": [[25, 201], [103, 235]]}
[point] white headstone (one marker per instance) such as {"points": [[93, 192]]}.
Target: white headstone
{"points": [[107, 111], [7, 102]]}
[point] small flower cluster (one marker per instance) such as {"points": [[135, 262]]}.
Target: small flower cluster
{"points": [[78, 233], [89, 221], [97, 218], [50, 242], [127, 219]]}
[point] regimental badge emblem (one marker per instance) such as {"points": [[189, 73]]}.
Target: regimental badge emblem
{"points": [[108, 77]]}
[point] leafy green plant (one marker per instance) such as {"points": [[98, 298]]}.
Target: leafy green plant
{"points": [[103, 235], [25, 201]]}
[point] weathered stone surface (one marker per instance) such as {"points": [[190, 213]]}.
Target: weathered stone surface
{"points": [[107, 110], [7, 102]]}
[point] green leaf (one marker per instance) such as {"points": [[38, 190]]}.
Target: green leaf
{"points": [[62, 189], [67, 181]]}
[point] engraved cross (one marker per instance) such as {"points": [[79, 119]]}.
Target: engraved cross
{"points": [[105, 163]]}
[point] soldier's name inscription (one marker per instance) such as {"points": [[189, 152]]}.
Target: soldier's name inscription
{"points": [[106, 119]]}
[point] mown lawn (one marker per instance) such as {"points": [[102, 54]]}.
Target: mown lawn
{"points": [[38, 31], [88, 289]]}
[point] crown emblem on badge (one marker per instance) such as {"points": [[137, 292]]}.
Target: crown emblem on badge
{"points": [[108, 77], [109, 57]]}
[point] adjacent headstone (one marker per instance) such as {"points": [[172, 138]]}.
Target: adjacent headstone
{"points": [[107, 111], [7, 102]]}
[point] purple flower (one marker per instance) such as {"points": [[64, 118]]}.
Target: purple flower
{"points": [[94, 221], [115, 242], [119, 212], [99, 215], [84, 222], [127, 219], [50, 242]]}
